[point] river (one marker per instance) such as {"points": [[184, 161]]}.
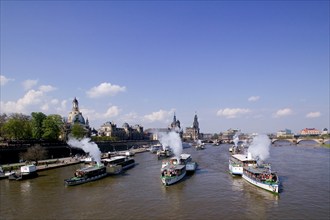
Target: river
{"points": [[210, 193]]}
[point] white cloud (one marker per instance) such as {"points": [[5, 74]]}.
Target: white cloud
{"points": [[253, 98], [54, 101], [232, 112], [131, 117], [32, 98], [105, 89], [45, 107], [160, 115], [113, 111], [29, 84], [96, 117], [283, 112], [4, 80], [313, 115], [47, 88]]}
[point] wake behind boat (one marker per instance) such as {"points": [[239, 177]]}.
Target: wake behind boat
{"points": [[87, 174], [262, 176]]}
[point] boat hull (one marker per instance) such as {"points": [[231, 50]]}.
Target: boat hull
{"points": [[118, 164], [269, 187], [166, 180], [23, 176], [78, 181]]}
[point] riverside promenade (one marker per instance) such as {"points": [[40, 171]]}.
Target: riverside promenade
{"points": [[55, 163], [44, 164]]}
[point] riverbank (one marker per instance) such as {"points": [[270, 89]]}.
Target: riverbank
{"points": [[10, 152], [57, 163], [44, 164]]}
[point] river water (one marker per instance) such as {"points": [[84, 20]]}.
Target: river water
{"points": [[211, 193]]}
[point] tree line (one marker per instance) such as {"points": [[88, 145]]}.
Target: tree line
{"points": [[37, 126]]}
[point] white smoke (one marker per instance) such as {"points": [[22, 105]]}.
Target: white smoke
{"points": [[88, 147], [172, 140], [259, 147], [236, 139]]}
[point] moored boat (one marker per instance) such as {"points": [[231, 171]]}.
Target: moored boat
{"points": [[171, 174], [238, 161], [199, 145], [164, 153], [87, 174], [263, 177], [117, 164], [154, 148], [26, 172], [184, 159], [4, 175]]}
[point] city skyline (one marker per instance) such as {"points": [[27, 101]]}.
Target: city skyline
{"points": [[258, 66]]}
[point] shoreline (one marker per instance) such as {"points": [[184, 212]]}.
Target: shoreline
{"points": [[54, 163]]}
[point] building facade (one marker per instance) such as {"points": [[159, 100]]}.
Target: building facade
{"points": [[126, 132], [310, 131], [286, 133], [193, 133]]}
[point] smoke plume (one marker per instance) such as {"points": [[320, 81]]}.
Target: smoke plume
{"points": [[88, 147], [236, 139], [259, 147], [172, 140]]}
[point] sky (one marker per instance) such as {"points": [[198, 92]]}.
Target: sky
{"points": [[256, 66]]}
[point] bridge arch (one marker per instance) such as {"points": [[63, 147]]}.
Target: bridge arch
{"points": [[317, 140], [293, 141]]}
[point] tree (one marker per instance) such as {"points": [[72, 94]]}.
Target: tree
{"points": [[3, 119], [36, 124], [215, 136], [35, 153], [78, 131], [52, 126], [17, 127]]}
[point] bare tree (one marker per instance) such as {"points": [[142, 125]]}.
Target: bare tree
{"points": [[35, 153]]}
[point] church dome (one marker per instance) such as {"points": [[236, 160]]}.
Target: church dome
{"points": [[125, 125], [78, 119]]}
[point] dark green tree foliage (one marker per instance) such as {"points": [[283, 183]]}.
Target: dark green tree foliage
{"points": [[3, 119], [17, 127], [78, 131], [36, 124], [35, 153], [52, 126]]}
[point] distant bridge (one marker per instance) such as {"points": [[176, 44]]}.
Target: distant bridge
{"points": [[298, 140]]}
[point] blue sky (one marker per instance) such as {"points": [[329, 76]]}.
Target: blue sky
{"points": [[258, 66]]}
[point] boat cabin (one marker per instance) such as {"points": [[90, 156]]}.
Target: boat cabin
{"points": [[90, 171]]}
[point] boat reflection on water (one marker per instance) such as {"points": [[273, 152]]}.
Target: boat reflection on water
{"points": [[26, 187]]}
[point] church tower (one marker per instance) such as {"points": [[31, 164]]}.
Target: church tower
{"points": [[196, 124], [196, 127]]}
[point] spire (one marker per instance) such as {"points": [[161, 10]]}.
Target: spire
{"points": [[75, 105], [196, 124]]}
